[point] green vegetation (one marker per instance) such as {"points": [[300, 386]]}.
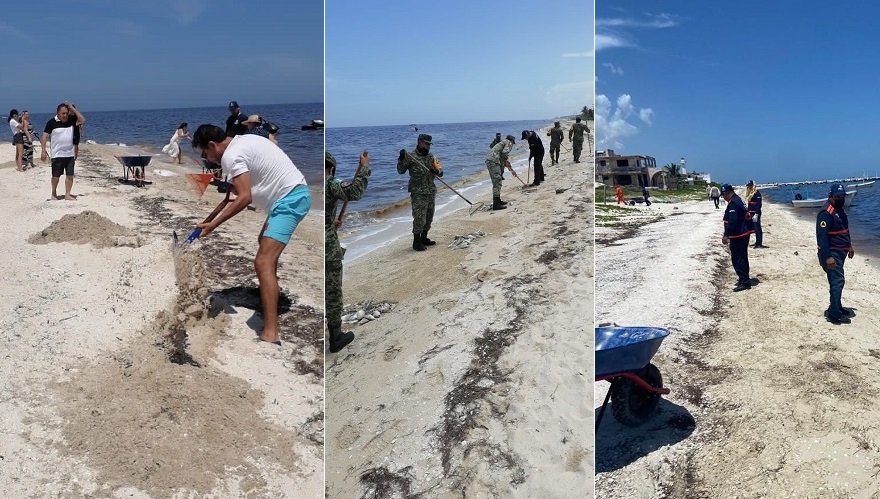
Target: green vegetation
{"points": [[587, 114]]}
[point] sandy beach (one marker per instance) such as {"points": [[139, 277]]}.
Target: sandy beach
{"points": [[475, 382], [93, 402], [767, 398]]}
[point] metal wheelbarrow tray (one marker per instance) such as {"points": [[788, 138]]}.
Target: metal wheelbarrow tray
{"points": [[136, 166], [623, 358]]}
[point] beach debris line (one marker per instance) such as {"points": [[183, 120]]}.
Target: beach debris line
{"points": [[465, 240], [365, 311]]}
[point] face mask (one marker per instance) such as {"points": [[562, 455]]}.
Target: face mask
{"points": [[422, 150], [838, 203]]}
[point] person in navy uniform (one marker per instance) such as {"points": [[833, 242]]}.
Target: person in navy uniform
{"points": [[753, 198], [833, 239], [736, 234]]}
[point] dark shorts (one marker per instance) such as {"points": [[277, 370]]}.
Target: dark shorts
{"points": [[62, 166], [18, 138]]}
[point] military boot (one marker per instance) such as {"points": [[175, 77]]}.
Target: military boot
{"points": [[425, 240], [417, 243], [496, 204], [338, 339]]}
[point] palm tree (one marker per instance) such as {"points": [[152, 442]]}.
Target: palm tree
{"points": [[587, 113], [673, 173]]}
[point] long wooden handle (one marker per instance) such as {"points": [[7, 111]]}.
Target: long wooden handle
{"points": [[341, 215], [197, 231], [415, 159]]}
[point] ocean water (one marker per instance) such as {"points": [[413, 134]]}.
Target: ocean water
{"points": [[149, 130], [864, 224], [461, 149]]}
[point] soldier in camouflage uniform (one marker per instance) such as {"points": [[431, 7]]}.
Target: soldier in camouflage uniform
{"points": [[496, 140], [422, 167], [556, 137], [335, 191], [495, 162], [577, 133]]}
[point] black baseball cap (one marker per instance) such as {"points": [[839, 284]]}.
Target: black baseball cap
{"points": [[233, 105]]}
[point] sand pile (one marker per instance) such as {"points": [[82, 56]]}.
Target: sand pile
{"points": [[84, 228]]}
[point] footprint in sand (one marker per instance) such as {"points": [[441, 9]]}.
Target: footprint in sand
{"points": [[391, 353]]}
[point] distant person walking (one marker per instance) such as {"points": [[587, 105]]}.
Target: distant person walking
{"points": [[422, 167], [645, 196], [17, 137], [753, 198], [618, 192], [536, 153], [556, 137], [833, 240], [496, 161], [334, 192], [173, 147], [736, 234], [715, 195], [576, 137], [60, 131], [263, 175]]}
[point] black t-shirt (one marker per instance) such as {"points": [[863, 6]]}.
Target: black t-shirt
{"points": [[235, 125], [536, 146]]}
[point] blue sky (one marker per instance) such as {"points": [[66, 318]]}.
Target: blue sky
{"points": [[771, 91], [160, 54], [402, 62]]}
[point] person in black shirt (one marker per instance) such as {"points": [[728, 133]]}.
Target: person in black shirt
{"points": [[536, 150], [235, 122]]}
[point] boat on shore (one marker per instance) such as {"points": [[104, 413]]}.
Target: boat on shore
{"points": [[862, 185], [818, 202]]}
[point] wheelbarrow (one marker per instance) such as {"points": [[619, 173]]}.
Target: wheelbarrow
{"points": [[136, 167], [623, 358]]}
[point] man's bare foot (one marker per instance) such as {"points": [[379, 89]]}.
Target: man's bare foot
{"points": [[70, 198], [270, 337], [19, 169]]}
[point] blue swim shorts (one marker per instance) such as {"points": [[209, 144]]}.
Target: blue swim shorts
{"points": [[287, 213]]}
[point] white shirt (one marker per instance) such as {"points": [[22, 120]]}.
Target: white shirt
{"points": [[273, 175], [13, 125]]}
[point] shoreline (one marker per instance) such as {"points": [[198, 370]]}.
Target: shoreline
{"points": [[763, 390], [398, 392]]}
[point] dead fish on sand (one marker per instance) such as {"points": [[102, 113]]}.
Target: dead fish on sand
{"points": [[365, 311], [466, 240]]}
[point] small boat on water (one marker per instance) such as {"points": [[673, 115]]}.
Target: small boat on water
{"points": [[863, 185], [314, 125], [817, 203]]}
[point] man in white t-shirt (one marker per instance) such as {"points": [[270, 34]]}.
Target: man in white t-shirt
{"points": [[60, 131], [263, 175]]}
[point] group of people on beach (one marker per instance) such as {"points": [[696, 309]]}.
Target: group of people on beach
{"points": [[743, 218], [63, 133]]}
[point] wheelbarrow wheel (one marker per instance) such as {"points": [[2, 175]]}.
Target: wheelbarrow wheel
{"points": [[633, 405]]}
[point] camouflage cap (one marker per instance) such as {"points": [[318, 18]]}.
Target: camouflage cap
{"points": [[328, 158], [511, 138], [424, 137]]}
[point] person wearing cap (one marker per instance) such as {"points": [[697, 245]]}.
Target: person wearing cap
{"points": [[736, 234], [753, 198], [334, 192], [422, 167], [536, 151], [263, 175], [496, 140], [833, 240], [496, 161], [576, 137], [235, 122], [255, 125], [556, 136]]}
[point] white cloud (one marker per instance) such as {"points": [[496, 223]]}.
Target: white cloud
{"points": [[612, 125], [610, 40], [571, 96], [614, 69], [609, 33], [588, 53]]}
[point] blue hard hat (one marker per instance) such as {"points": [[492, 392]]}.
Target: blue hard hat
{"points": [[726, 188], [837, 189]]}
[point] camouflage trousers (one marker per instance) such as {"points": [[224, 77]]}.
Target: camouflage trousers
{"points": [[576, 147], [554, 151], [333, 295], [422, 212], [494, 174]]}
